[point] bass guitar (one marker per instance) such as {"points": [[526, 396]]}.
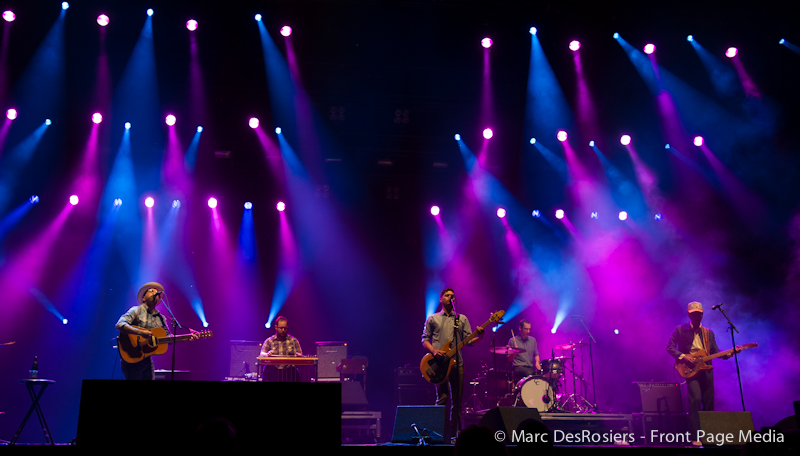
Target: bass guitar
{"points": [[134, 348], [700, 357], [436, 370]]}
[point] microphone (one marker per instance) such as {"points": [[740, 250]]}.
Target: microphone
{"points": [[158, 293], [716, 307]]}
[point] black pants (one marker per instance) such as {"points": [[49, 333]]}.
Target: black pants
{"points": [[701, 393], [452, 390], [143, 370]]}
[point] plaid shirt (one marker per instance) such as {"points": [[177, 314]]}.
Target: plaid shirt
{"points": [[139, 316], [288, 347]]}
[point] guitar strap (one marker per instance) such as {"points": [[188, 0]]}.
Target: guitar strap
{"points": [[706, 341]]}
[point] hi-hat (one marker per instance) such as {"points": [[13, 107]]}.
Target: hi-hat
{"points": [[569, 346]]}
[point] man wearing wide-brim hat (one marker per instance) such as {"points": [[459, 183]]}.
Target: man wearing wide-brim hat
{"points": [[139, 320]]}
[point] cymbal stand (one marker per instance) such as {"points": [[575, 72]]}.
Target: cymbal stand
{"points": [[591, 362], [575, 402], [474, 402]]}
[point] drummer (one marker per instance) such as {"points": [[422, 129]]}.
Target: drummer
{"points": [[528, 358]]}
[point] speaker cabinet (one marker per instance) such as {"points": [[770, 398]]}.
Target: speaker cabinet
{"points": [[428, 419]]}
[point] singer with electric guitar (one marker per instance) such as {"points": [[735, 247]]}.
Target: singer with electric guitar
{"points": [[141, 320]]}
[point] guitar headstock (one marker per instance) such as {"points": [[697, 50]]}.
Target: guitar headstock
{"points": [[205, 334], [753, 345], [497, 316]]}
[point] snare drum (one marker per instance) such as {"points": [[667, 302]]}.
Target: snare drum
{"points": [[535, 393], [552, 369]]}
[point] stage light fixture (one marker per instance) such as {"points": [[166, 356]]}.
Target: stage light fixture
{"points": [[127, 125], [434, 210], [117, 202], [574, 45], [649, 48], [278, 130], [458, 137], [533, 141], [625, 140], [658, 216], [561, 135], [286, 30], [281, 206], [9, 16], [623, 215], [258, 18], [616, 331], [73, 200], [48, 122], [535, 213], [253, 123], [666, 146], [616, 36], [488, 133], [176, 204], [782, 41], [150, 12], [170, 120], [690, 38], [212, 203], [199, 129], [64, 5], [97, 117], [486, 43], [34, 199], [65, 321], [533, 30], [591, 143], [698, 141], [102, 20], [248, 205], [501, 212], [11, 114], [191, 25], [594, 215], [560, 214], [731, 52], [149, 201]]}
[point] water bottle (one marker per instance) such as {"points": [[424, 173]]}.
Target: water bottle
{"points": [[35, 367]]}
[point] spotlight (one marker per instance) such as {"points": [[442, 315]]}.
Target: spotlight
{"points": [[150, 12], [149, 201], [782, 41], [591, 143], [9, 16], [535, 213], [623, 215], [253, 123], [616, 36], [176, 204], [625, 140], [501, 212], [434, 210], [102, 20], [458, 137], [731, 52], [594, 215], [65, 321], [560, 214], [281, 206], [48, 122], [64, 5], [552, 330], [205, 324], [34, 199], [690, 38], [11, 114], [562, 135], [666, 146], [532, 30], [649, 48], [486, 43], [616, 331], [698, 141], [258, 18], [73, 200], [286, 30], [658, 216], [278, 130], [533, 140], [248, 205], [266, 325], [97, 117], [574, 45], [191, 25], [488, 133], [212, 203], [199, 129], [127, 125], [170, 120], [117, 202]]}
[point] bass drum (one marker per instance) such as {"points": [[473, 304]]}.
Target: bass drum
{"points": [[535, 392]]}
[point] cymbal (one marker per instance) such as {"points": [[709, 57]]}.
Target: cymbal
{"points": [[506, 350], [569, 346]]}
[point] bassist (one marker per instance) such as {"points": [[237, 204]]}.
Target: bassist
{"points": [[440, 328]]}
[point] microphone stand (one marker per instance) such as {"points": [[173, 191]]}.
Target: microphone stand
{"points": [[591, 362], [732, 328], [460, 382], [175, 326]]}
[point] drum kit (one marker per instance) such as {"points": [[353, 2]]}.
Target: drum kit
{"points": [[546, 390]]}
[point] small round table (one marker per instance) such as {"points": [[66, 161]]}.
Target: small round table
{"points": [[29, 383]]}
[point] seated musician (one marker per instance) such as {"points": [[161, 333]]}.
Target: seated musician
{"points": [[281, 344], [524, 362]]}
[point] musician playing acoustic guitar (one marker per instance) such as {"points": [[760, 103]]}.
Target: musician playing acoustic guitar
{"points": [[440, 329], [689, 338], [146, 317]]}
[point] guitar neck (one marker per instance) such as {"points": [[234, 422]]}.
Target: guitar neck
{"points": [[726, 352], [171, 339]]}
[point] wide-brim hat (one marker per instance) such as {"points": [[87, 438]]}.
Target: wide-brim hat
{"points": [[145, 287], [695, 307]]}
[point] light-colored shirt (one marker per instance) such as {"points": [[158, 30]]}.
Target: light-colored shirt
{"points": [[139, 316], [525, 359], [288, 347], [440, 328]]}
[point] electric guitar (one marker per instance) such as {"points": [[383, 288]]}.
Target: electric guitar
{"points": [[700, 357], [134, 348], [436, 370]]}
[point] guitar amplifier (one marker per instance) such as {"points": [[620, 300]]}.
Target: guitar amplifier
{"points": [[330, 355], [244, 359], [660, 397]]}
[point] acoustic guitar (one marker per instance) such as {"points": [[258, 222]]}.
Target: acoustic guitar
{"points": [[700, 357], [436, 370], [134, 348]]}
